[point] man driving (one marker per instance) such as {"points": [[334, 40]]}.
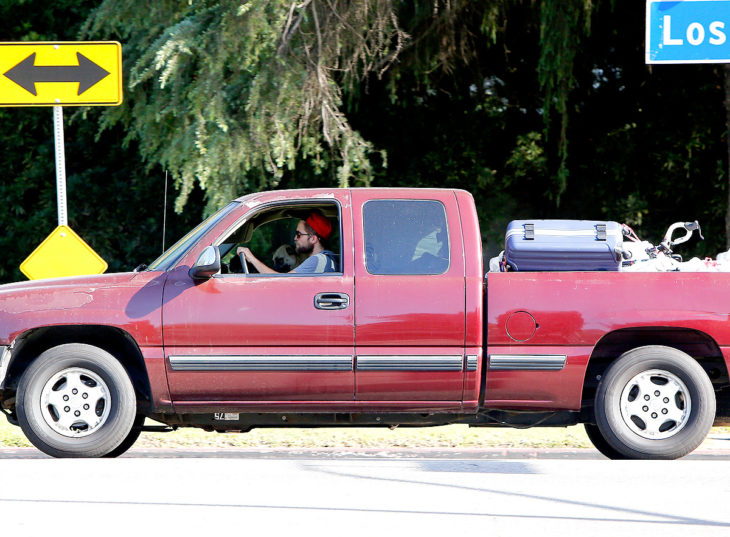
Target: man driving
{"points": [[310, 239]]}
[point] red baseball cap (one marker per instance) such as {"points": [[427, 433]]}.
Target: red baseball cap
{"points": [[320, 224]]}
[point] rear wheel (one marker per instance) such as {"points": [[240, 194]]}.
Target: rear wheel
{"points": [[654, 402], [76, 400]]}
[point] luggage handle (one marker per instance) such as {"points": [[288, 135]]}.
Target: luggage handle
{"points": [[529, 232]]}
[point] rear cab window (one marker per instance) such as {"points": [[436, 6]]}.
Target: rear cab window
{"points": [[405, 237]]}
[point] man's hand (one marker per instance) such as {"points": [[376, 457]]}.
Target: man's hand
{"points": [[248, 256]]}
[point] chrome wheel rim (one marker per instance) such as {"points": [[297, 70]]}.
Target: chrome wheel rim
{"points": [[75, 402], [655, 404]]}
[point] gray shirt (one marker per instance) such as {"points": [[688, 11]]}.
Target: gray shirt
{"points": [[318, 263]]}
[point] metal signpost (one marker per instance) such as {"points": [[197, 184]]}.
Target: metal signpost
{"points": [[61, 74], [691, 31]]}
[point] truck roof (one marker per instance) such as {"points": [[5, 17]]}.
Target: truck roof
{"points": [[273, 195]]}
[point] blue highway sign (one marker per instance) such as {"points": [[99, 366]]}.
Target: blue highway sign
{"points": [[691, 31]]}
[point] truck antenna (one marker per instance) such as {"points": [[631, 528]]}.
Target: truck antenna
{"points": [[164, 214]]}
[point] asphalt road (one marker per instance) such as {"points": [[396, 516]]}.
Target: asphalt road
{"points": [[281, 492]]}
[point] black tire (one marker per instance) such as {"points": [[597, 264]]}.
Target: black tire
{"points": [[596, 438], [56, 395], [654, 402], [131, 438]]}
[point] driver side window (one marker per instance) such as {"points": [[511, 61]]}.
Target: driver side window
{"points": [[270, 236]]}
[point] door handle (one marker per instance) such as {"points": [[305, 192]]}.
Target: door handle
{"points": [[331, 301]]}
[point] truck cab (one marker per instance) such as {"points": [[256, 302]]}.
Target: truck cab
{"points": [[387, 332]]}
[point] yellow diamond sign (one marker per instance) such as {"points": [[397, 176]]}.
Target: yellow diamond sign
{"points": [[80, 73], [62, 253]]}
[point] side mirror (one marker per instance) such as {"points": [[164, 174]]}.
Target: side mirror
{"points": [[208, 264]]}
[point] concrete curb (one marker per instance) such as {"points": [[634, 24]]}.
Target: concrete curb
{"points": [[705, 452]]}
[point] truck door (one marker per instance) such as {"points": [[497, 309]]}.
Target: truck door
{"points": [[237, 339], [410, 309]]}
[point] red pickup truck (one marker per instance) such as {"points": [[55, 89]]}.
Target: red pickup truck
{"points": [[407, 331]]}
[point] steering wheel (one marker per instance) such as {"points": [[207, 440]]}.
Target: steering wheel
{"points": [[244, 264]]}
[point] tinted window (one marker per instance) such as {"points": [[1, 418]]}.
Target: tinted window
{"points": [[405, 237]]}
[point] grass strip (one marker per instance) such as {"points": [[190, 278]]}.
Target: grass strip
{"points": [[447, 436]]}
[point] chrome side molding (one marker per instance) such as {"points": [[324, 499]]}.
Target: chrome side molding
{"points": [[261, 363], [410, 363], [454, 362], [527, 362]]}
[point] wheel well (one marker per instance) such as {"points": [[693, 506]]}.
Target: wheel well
{"points": [[118, 343], [693, 342]]}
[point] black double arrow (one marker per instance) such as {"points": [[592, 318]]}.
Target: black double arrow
{"points": [[27, 74]]}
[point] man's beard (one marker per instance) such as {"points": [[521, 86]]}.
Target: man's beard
{"points": [[305, 248]]}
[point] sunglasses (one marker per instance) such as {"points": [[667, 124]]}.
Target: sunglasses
{"points": [[298, 234]]}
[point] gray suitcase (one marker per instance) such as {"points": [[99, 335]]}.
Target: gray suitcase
{"points": [[563, 245]]}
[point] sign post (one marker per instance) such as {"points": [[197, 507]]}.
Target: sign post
{"points": [[61, 74], [60, 164]]}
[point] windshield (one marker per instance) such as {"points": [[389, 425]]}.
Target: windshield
{"points": [[171, 256]]}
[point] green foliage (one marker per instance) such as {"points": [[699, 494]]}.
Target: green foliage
{"points": [[647, 145], [561, 25], [231, 95], [528, 157], [113, 203]]}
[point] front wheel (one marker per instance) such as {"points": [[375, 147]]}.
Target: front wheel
{"points": [[654, 402], [131, 438], [76, 400]]}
